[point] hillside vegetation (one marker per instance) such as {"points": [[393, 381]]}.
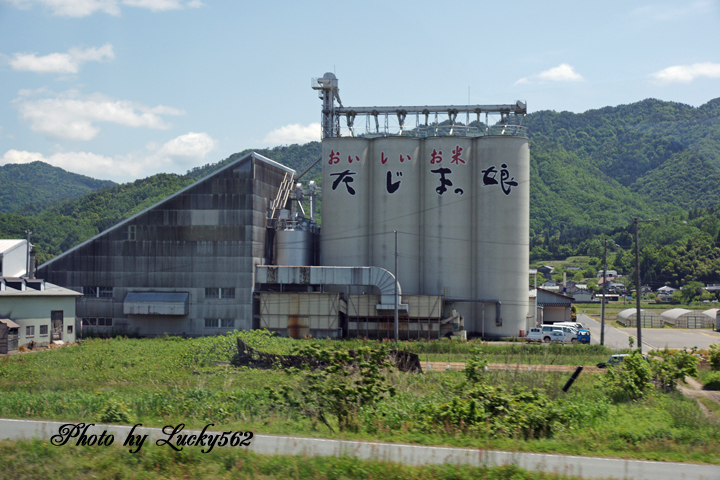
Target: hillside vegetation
{"points": [[40, 183]]}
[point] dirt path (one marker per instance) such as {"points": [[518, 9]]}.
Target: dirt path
{"points": [[514, 367], [694, 389]]}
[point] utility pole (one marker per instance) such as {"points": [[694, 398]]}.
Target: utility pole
{"points": [[397, 328], [637, 287], [604, 299], [27, 259]]}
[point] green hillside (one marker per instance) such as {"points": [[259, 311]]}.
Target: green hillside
{"points": [[40, 183]]}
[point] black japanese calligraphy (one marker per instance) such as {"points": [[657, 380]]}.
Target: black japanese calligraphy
{"points": [[347, 178]]}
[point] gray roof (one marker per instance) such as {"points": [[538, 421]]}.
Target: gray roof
{"points": [[230, 165]]}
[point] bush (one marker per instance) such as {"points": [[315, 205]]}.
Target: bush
{"points": [[114, 411], [674, 366], [712, 381], [715, 356], [632, 379]]}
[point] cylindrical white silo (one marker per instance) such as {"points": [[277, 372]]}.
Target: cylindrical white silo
{"points": [[394, 201], [447, 208], [502, 209], [345, 196]]}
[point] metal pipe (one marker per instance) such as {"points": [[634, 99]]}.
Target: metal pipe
{"points": [[396, 292], [637, 286]]}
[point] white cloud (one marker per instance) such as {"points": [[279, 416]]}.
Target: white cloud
{"points": [[61, 62], [155, 5], [662, 13], [687, 73], [72, 116], [186, 149], [561, 73], [294, 133], [175, 156], [73, 8], [83, 8]]}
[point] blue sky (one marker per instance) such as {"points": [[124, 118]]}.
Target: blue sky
{"points": [[123, 89]]}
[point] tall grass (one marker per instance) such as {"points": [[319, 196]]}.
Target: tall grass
{"points": [[173, 380]]}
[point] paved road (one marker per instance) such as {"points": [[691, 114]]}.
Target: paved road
{"points": [[586, 467], [653, 338]]}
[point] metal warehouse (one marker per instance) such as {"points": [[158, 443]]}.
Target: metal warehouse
{"points": [[425, 218]]}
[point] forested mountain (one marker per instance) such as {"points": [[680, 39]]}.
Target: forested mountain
{"points": [[647, 158], [39, 183], [591, 173], [59, 228]]}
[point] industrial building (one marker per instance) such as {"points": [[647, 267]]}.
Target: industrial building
{"points": [[185, 265], [424, 221]]}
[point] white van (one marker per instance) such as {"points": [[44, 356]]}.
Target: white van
{"points": [[553, 333]]}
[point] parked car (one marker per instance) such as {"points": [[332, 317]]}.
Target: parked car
{"points": [[584, 335], [553, 333], [616, 359]]}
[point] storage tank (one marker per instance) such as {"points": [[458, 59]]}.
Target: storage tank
{"points": [[461, 208], [295, 246]]}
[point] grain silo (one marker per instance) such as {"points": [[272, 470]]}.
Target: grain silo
{"points": [[458, 195]]}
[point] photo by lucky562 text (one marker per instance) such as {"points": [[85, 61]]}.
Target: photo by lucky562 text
{"points": [[175, 438]]}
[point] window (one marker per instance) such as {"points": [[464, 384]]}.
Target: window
{"points": [[219, 293], [96, 322], [104, 322], [98, 292], [70, 329], [219, 323], [132, 233], [29, 331], [43, 330]]}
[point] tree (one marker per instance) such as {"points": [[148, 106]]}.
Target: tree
{"points": [[692, 290]]}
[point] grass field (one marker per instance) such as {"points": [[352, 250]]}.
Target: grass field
{"points": [[30, 460], [171, 380]]}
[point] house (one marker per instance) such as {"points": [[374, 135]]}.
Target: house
{"points": [[583, 296], [41, 312], [546, 271], [610, 273], [555, 307], [13, 258], [665, 292]]}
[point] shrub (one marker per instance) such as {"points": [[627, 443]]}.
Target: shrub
{"points": [[115, 411], [715, 356], [674, 366], [712, 381], [632, 379]]}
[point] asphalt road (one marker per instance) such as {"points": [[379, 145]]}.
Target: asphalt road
{"points": [[586, 467], [653, 338]]}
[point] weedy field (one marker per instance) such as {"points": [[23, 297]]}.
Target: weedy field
{"points": [[26, 460], [172, 380]]}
